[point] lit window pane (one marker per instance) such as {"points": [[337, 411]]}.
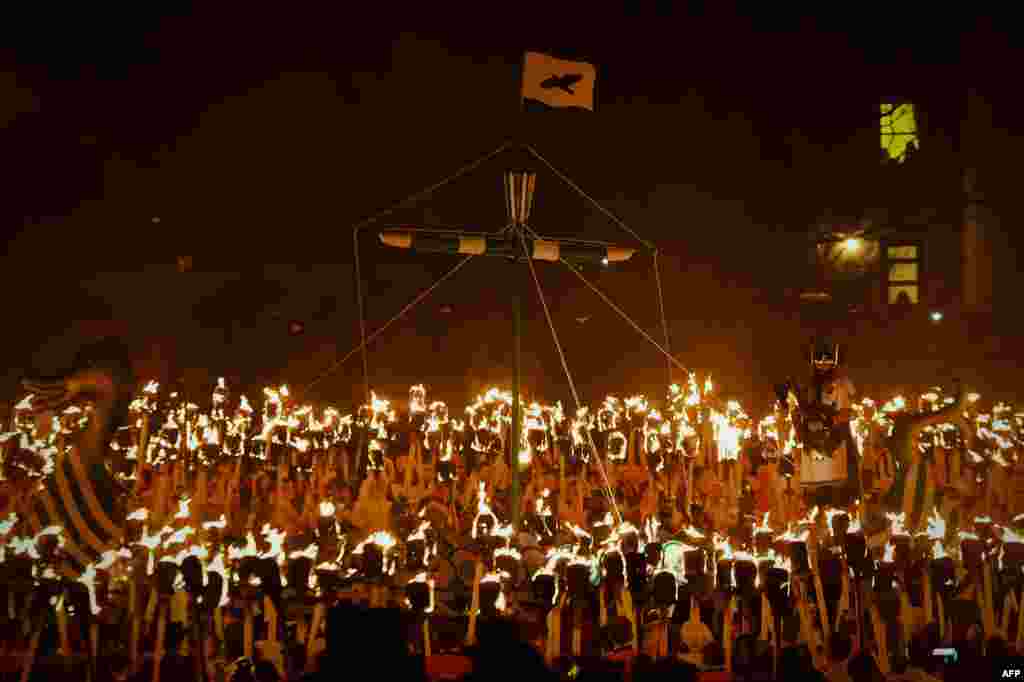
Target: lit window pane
{"points": [[903, 272], [902, 252], [899, 130], [906, 294]]}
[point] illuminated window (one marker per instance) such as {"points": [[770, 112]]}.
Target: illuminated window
{"points": [[899, 130], [903, 274]]}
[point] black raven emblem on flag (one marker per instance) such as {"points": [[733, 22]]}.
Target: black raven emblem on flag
{"points": [[565, 82]]}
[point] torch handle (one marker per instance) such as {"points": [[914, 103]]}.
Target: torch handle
{"points": [[161, 634], [94, 645], [311, 637], [822, 610], [689, 488], [218, 623], [271, 611], [577, 631], [426, 637], [881, 640], [990, 607], [247, 629], [141, 455], [62, 629], [33, 647], [1020, 626], [727, 633], [136, 617], [475, 605]]}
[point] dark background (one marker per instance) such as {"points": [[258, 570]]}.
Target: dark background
{"points": [[259, 135]]}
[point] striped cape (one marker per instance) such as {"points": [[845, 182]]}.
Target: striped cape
{"points": [[83, 500]]}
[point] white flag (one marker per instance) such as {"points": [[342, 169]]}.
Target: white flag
{"points": [[557, 83]]}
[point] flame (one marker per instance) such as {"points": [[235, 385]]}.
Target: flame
{"points": [[275, 538], [88, 578], [183, 505], [482, 508], [7, 525], [727, 435], [424, 578], [24, 546], [496, 577], [140, 514], [309, 553], [1010, 537], [724, 546], [503, 532], [936, 526], [327, 509], [417, 399], [897, 404], [896, 521], [197, 551], [638, 404], [810, 519], [576, 530], [651, 528], [790, 536], [543, 505], [250, 549], [211, 436], [831, 514], [381, 538], [693, 533], [890, 553], [222, 522], [378, 405], [785, 563], [179, 536]]}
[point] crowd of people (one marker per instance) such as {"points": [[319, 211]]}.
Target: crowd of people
{"points": [[146, 536]]}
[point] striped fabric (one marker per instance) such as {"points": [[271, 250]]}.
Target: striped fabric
{"points": [[83, 500]]}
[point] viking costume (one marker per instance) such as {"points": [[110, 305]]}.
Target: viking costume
{"points": [[81, 494]]}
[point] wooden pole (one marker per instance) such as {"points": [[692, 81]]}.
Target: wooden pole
{"points": [[517, 408]]}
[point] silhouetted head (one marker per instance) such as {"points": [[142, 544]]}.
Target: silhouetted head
{"points": [[862, 668]]}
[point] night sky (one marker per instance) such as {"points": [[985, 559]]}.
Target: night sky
{"points": [[253, 138]]}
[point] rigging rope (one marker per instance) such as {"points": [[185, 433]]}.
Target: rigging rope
{"points": [[624, 316], [661, 308], [622, 224], [668, 356], [401, 313], [411, 199], [611, 216], [568, 375]]}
